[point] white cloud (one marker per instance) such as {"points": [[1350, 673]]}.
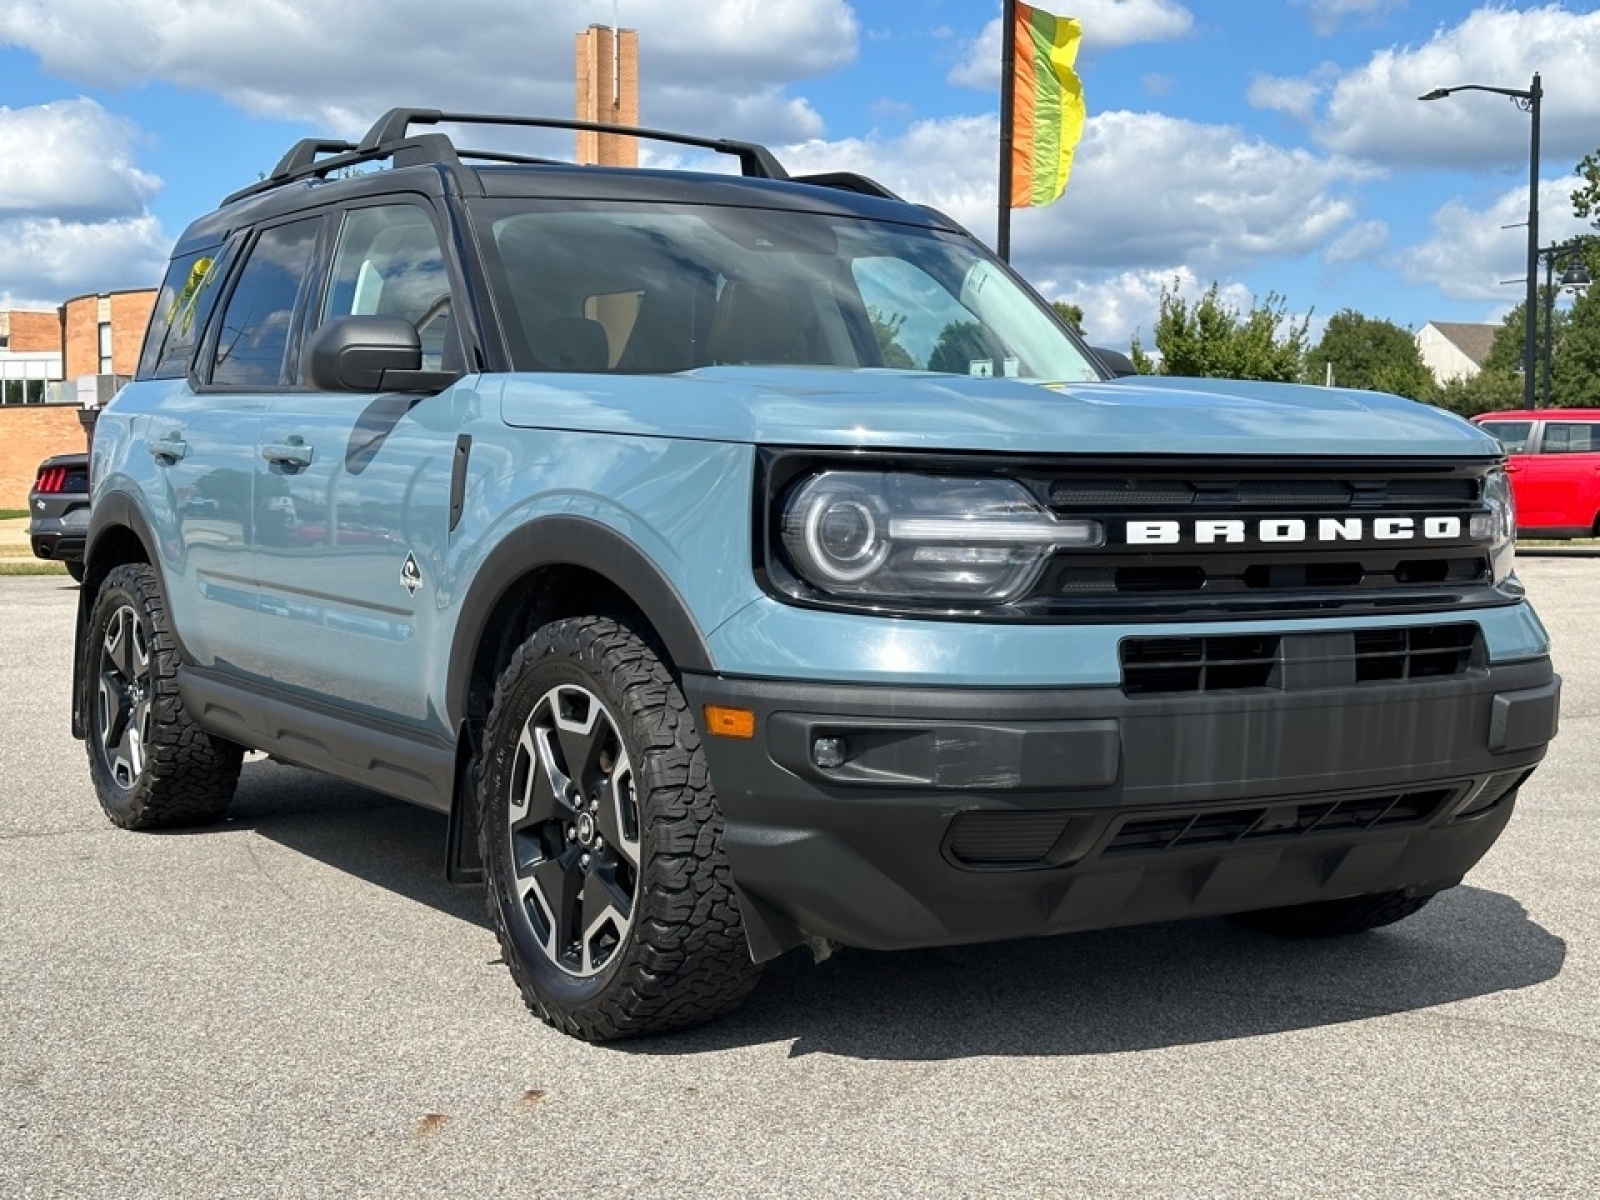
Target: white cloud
{"points": [[1472, 253], [1146, 190], [1120, 307], [1373, 112], [1328, 15], [1359, 242], [73, 214], [1150, 196], [1149, 189], [72, 159], [1297, 97], [338, 66], [1107, 24]]}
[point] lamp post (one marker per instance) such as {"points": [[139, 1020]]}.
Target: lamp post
{"points": [[1574, 278], [1528, 100]]}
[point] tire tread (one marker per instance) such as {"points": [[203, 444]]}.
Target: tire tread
{"points": [[687, 961]]}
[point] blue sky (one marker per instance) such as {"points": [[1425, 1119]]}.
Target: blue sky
{"points": [[1274, 146]]}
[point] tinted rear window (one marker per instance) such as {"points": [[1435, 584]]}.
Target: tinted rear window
{"points": [[1512, 435], [1570, 437]]}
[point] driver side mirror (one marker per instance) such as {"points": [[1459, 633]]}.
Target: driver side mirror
{"points": [[371, 354]]}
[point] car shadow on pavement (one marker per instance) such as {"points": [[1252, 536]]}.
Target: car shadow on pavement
{"points": [[1139, 988], [1089, 993], [395, 845]]}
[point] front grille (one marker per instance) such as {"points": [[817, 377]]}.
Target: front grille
{"points": [[1240, 537], [1159, 833], [1298, 662]]}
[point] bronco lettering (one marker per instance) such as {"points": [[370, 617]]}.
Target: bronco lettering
{"points": [[1280, 529]]}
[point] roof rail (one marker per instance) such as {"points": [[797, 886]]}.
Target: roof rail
{"points": [[848, 181], [754, 160], [390, 138]]}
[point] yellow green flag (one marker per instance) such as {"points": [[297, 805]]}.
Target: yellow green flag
{"points": [[1047, 109]]}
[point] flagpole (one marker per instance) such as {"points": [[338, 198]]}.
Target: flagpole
{"points": [[1008, 87]]}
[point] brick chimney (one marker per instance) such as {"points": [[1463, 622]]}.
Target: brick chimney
{"points": [[608, 92]]}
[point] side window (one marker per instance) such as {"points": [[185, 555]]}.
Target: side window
{"points": [[1569, 437], [388, 263], [1512, 435], [179, 318], [254, 335]]}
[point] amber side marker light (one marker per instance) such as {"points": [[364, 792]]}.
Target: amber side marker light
{"points": [[730, 722]]}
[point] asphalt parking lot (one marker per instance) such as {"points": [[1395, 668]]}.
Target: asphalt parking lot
{"points": [[295, 1003]]}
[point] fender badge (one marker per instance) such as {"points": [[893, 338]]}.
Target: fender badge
{"points": [[410, 575]]}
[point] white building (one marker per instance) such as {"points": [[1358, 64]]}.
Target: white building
{"points": [[1454, 349]]}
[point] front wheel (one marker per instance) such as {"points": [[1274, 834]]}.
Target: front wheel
{"points": [[152, 766], [602, 841], [1333, 918]]}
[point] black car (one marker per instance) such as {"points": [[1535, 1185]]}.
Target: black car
{"points": [[58, 511]]}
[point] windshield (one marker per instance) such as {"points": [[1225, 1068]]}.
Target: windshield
{"points": [[663, 288]]}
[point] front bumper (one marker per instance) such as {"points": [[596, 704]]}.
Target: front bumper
{"points": [[982, 814]]}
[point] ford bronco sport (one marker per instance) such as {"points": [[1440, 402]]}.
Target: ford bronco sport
{"points": [[745, 562]]}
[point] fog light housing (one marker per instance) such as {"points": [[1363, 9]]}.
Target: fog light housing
{"points": [[830, 752]]}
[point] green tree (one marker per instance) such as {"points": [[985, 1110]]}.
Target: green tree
{"points": [[1575, 366], [1490, 390], [1213, 339], [1369, 353], [960, 345], [1072, 314], [886, 329]]}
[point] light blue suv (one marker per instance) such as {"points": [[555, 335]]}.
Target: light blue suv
{"points": [[746, 563]]}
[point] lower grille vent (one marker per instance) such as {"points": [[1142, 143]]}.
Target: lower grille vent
{"points": [[1177, 665], [1197, 664], [1211, 827], [1415, 652], [1005, 839]]}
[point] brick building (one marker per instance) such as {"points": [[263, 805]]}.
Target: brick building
{"points": [[52, 365], [30, 357], [101, 334]]}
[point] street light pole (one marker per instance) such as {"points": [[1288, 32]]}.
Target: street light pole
{"points": [[1527, 100], [1575, 279]]}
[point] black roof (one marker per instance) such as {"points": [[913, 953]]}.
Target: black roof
{"points": [[433, 164]]}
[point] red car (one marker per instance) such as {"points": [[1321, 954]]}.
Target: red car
{"points": [[1553, 456]]}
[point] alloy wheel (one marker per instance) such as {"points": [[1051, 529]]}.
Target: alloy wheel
{"points": [[573, 823]]}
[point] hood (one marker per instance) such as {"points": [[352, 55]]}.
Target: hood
{"points": [[802, 406]]}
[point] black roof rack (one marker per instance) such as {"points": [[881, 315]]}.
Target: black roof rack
{"points": [[848, 181], [391, 138]]}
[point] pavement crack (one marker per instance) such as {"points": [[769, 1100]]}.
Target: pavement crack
{"points": [[251, 842]]}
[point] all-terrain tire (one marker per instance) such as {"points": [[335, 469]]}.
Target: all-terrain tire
{"points": [[1333, 918], [605, 877], [152, 766]]}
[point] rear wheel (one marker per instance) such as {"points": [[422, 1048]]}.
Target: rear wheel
{"points": [[602, 841], [1332, 918], [152, 766], [74, 568]]}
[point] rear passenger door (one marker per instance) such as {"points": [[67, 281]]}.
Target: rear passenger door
{"points": [[203, 436], [350, 565], [1559, 483]]}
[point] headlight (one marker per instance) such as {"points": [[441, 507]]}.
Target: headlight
{"points": [[873, 535], [1498, 527]]}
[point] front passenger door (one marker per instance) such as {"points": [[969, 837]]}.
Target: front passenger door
{"points": [[349, 573]]}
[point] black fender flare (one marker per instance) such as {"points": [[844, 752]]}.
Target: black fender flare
{"points": [[569, 541], [114, 510]]}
